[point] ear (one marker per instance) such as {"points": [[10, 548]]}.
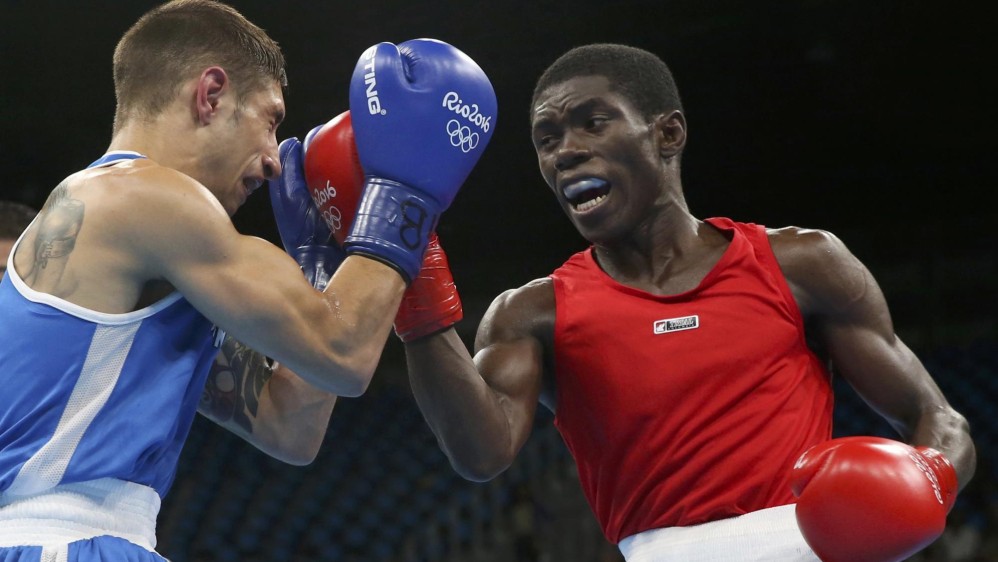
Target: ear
{"points": [[212, 85], [671, 133]]}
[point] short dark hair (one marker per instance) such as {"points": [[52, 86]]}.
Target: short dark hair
{"points": [[14, 218], [171, 42], [639, 75]]}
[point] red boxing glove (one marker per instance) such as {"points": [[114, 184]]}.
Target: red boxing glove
{"points": [[431, 302], [868, 499], [333, 173]]}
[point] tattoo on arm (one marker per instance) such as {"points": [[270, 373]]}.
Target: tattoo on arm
{"points": [[235, 383], [59, 224]]}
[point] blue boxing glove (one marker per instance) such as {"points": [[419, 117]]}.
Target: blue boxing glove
{"points": [[423, 113], [303, 231]]}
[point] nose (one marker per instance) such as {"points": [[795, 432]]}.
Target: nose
{"points": [[271, 164], [570, 153]]}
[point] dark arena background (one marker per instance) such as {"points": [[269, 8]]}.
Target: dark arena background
{"points": [[874, 120]]}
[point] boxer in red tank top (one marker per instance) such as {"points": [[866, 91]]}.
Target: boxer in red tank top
{"points": [[731, 374], [685, 359]]}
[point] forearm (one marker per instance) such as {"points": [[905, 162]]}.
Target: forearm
{"points": [[463, 412], [349, 328], [295, 417], [268, 406], [892, 380], [948, 432]]}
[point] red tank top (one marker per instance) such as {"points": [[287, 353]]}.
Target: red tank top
{"points": [[686, 408]]}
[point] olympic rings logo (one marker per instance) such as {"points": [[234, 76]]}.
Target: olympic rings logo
{"points": [[330, 213], [333, 218], [461, 136]]}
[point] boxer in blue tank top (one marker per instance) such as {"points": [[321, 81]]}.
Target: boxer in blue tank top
{"points": [[131, 301]]}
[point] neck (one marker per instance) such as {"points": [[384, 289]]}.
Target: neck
{"points": [[158, 140], [653, 247], [667, 252]]}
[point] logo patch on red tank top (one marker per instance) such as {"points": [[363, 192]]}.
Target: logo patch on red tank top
{"points": [[676, 324]]}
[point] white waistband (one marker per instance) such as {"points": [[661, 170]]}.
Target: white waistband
{"points": [[765, 535], [84, 510]]}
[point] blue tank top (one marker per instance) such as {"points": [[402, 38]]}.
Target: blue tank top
{"points": [[87, 395]]}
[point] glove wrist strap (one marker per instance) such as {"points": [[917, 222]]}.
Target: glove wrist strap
{"points": [[945, 482], [393, 225]]}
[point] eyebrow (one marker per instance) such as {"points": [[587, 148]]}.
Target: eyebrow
{"points": [[540, 122], [585, 106], [588, 105]]}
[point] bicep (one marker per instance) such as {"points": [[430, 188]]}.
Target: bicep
{"points": [[240, 282], [512, 371], [509, 355], [245, 285]]}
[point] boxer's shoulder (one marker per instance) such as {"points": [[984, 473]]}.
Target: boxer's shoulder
{"points": [[141, 200], [526, 311], [823, 274], [117, 228], [133, 188], [138, 180]]}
